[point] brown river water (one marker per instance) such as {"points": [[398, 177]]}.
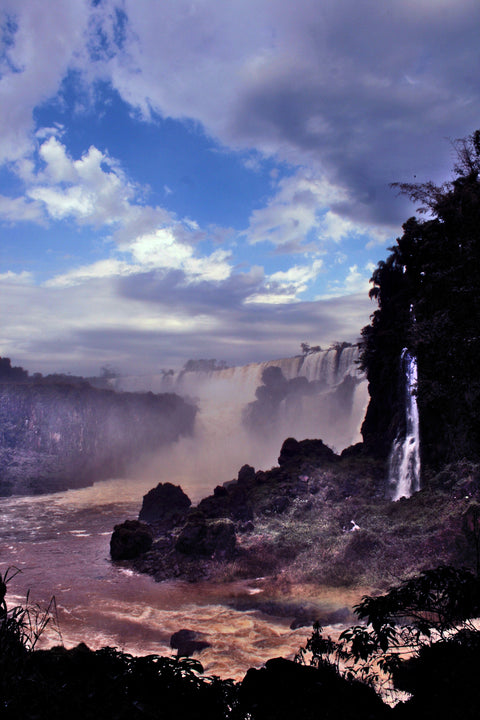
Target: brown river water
{"points": [[60, 542]]}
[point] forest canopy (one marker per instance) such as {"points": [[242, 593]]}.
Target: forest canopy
{"points": [[428, 294]]}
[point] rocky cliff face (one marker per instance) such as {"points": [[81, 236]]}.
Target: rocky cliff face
{"points": [[59, 436]]}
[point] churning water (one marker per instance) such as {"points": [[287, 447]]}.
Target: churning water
{"points": [[60, 542]]}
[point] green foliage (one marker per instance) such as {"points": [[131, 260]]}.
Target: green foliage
{"points": [[428, 294], [22, 626], [432, 608], [308, 349], [60, 683]]}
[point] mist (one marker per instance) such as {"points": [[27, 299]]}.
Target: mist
{"points": [[243, 418]]}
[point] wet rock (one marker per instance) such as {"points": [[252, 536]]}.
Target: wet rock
{"points": [[165, 505], [306, 616], [342, 615], [208, 538], [186, 642], [220, 491], [278, 505], [246, 474], [289, 450], [239, 504], [129, 540], [312, 451]]}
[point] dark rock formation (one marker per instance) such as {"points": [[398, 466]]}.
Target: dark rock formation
{"points": [[211, 538], [313, 450], [246, 474], [56, 436], [130, 539], [284, 690], [165, 505], [319, 518], [186, 642], [260, 415]]}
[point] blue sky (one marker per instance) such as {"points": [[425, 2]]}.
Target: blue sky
{"points": [[185, 179]]}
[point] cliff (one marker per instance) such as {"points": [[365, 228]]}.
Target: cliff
{"points": [[55, 436], [428, 294]]}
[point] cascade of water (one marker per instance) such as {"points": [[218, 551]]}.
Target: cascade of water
{"points": [[330, 406], [404, 461]]}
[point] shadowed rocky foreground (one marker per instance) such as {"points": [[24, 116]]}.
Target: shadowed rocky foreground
{"points": [[316, 518], [431, 656]]}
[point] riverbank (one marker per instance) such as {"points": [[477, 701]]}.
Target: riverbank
{"points": [[61, 544], [317, 518]]}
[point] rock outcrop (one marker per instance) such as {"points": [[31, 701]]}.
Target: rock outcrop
{"points": [[130, 539], [166, 505], [187, 642], [318, 518], [56, 436], [214, 539]]}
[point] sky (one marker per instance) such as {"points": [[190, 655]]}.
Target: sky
{"points": [[211, 178]]}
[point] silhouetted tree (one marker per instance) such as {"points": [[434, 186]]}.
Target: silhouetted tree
{"points": [[428, 294]]}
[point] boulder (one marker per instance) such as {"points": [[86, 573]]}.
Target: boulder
{"points": [[129, 540], [312, 451], [165, 505], [215, 539], [186, 642], [246, 474], [284, 689]]}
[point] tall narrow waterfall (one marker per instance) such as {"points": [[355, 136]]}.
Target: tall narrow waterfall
{"points": [[404, 463], [326, 398]]}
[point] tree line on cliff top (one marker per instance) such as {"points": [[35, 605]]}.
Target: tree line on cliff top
{"points": [[428, 295]]}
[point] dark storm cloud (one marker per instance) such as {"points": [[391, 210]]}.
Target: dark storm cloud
{"points": [[172, 288], [371, 96], [241, 335]]}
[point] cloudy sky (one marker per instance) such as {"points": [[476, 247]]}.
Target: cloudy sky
{"points": [[210, 178]]}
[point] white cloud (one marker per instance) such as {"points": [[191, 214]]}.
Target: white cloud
{"points": [[92, 190], [299, 217], [82, 327], [44, 41], [22, 278], [162, 250], [285, 286], [292, 213], [19, 208], [108, 268], [297, 83], [355, 282]]}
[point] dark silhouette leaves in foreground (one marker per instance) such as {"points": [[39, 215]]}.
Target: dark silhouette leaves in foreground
{"points": [[418, 638]]}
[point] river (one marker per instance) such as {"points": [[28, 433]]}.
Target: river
{"points": [[60, 543]]}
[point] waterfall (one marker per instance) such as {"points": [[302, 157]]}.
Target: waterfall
{"points": [[328, 400], [404, 461]]}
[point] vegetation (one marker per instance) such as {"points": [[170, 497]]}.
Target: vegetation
{"points": [[428, 294], [418, 638], [202, 365]]}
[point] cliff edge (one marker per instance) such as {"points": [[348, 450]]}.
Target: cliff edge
{"points": [[57, 436]]}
